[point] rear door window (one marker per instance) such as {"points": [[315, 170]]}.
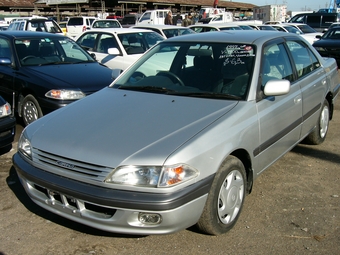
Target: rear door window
{"points": [[75, 21], [328, 20]]}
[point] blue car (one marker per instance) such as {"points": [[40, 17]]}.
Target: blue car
{"points": [[45, 72]]}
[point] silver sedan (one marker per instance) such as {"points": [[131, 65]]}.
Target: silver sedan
{"points": [[179, 138]]}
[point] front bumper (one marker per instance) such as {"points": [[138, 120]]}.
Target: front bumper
{"points": [[112, 210], [7, 131], [48, 105]]}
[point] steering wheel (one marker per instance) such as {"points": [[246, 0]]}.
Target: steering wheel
{"points": [[173, 77], [27, 57]]}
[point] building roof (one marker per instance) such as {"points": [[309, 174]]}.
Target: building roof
{"points": [[222, 4]]}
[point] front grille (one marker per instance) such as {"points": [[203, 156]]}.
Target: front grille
{"points": [[70, 168], [75, 205]]}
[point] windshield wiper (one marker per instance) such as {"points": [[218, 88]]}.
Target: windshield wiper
{"points": [[84, 61], [66, 62], [146, 88], [206, 95], [179, 93]]}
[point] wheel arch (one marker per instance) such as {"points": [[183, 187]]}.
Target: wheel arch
{"points": [[244, 157], [22, 94]]}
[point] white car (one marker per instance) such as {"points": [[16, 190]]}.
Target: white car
{"points": [[287, 28], [39, 24], [105, 23], [118, 48], [199, 28], [307, 32], [76, 25], [167, 31]]}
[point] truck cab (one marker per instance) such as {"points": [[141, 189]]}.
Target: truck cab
{"points": [[153, 17]]}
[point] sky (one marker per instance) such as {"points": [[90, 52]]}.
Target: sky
{"points": [[292, 5]]}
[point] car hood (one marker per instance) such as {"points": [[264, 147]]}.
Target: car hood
{"points": [[115, 127], [63, 76], [333, 43]]}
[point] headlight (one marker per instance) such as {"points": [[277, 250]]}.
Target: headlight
{"points": [[152, 176], [24, 146], [63, 94], [319, 48], [5, 110]]}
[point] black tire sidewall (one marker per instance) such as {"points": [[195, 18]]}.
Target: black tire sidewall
{"points": [[314, 137], [213, 224]]}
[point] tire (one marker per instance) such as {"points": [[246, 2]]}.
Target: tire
{"points": [[318, 135], [225, 199], [30, 110]]}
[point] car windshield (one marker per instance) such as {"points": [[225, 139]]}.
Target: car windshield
{"points": [[49, 26], [266, 28], [230, 28], [106, 24], [48, 51], [209, 70], [306, 29], [292, 30], [332, 34], [176, 32], [139, 42]]}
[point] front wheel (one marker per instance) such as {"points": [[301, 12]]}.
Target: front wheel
{"points": [[30, 110], [318, 135], [225, 199]]}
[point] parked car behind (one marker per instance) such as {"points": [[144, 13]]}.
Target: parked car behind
{"points": [[106, 23], [286, 28], [63, 27], [77, 25], [309, 33], [7, 126], [130, 20], [46, 72], [199, 28], [262, 27], [38, 24], [328, 44], [188, 129], [167, 31], [118, 48], [317, 20]]}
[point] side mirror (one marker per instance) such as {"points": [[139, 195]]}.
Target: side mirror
{"points": [[276, 87], [93, 56], [5, 61], [318, 36], [113, 51]]}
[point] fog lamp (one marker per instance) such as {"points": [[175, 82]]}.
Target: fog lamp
{"points": [[150, 218]]}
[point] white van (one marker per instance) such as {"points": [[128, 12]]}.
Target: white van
{"points": [[153, 17], [40, 24], [76, 25]]}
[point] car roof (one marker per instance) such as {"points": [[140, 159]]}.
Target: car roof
{"points": [[218, 25], [105, 20], [120, 30], [21, 34], [296, 24], [158, 26], [337, 27], [231, 36]]}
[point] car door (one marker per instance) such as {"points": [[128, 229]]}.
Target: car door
{"points": [[279, 117], [7, 73], [311, 79]]}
